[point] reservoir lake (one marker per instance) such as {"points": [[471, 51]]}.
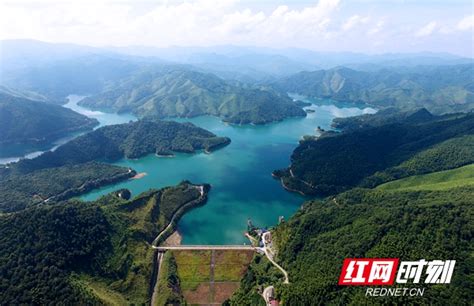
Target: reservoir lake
{"points": [[240, 173]]}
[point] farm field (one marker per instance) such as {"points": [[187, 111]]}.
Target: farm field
{"points": [[211, 276]]}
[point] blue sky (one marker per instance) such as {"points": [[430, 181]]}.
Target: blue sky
{"points": [[366, 26]]}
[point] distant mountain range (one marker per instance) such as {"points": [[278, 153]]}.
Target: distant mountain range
{"points": [[25, 121], [440, 89], [226, 61], [238, 84]]}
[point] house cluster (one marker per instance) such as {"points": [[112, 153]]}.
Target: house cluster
{"points": [[269, 296], [261, 234]]}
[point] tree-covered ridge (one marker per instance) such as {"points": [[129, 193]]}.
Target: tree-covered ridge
{"points": [[382, 117], [440, 89], [409, 225], [371, 156], [40, 246], [82, 253], [185, 93], [24, 121], [428, 223], [25, 94], [18, 192], [130, 140], [449, 154]]}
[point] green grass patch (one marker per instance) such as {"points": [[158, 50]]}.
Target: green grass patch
{"points": [[168, 287], [232, 273], [193, 273], [100, 290], [192, 257], [186, 285], [442, 180]]}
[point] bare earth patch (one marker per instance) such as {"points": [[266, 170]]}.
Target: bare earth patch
{"points": [[199, 296], [174, 239], [223, 291]]}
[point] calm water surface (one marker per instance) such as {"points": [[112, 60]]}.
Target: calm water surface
{"points": [[240, 174]]}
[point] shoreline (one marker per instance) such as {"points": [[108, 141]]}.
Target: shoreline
{"points": [[139, 176], [292, 190], [280, 178], [175, 239], [169, 155]]}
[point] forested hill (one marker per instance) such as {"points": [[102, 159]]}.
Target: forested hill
{"points": [[383, 117], [374, 155], [186, 93], [18, 192], [130, 140], [426, 216], [24, 121], [440, 89], [425, 224], [76, 253]]}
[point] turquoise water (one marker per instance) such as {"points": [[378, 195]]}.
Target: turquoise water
{"points": [[13, 153], [240, 175], [104, 118]]}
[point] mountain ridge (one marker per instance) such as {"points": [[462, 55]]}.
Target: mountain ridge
{"points": [[186, 93], [31, 122]]}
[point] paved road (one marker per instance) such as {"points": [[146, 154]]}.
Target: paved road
{"points": [[211, 276], [175, 215], [270, 257], [206, 247], [304, 182], [159, 260]]}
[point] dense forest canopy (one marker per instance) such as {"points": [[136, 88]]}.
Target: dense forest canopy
{"points": [[130, 140], [361, 223], [373, 155], [68, 252], [18, 192]]}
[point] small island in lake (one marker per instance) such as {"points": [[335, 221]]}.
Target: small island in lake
{"points": [[128, 140], [74, 168]]}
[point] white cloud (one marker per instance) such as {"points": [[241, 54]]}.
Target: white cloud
{"points": [[163, 23], [426, 30], [377, 28], [465, 24], [354, 21], [316, 24]]}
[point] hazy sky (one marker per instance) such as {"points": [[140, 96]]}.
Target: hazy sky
{"points": [[367, 26]]}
